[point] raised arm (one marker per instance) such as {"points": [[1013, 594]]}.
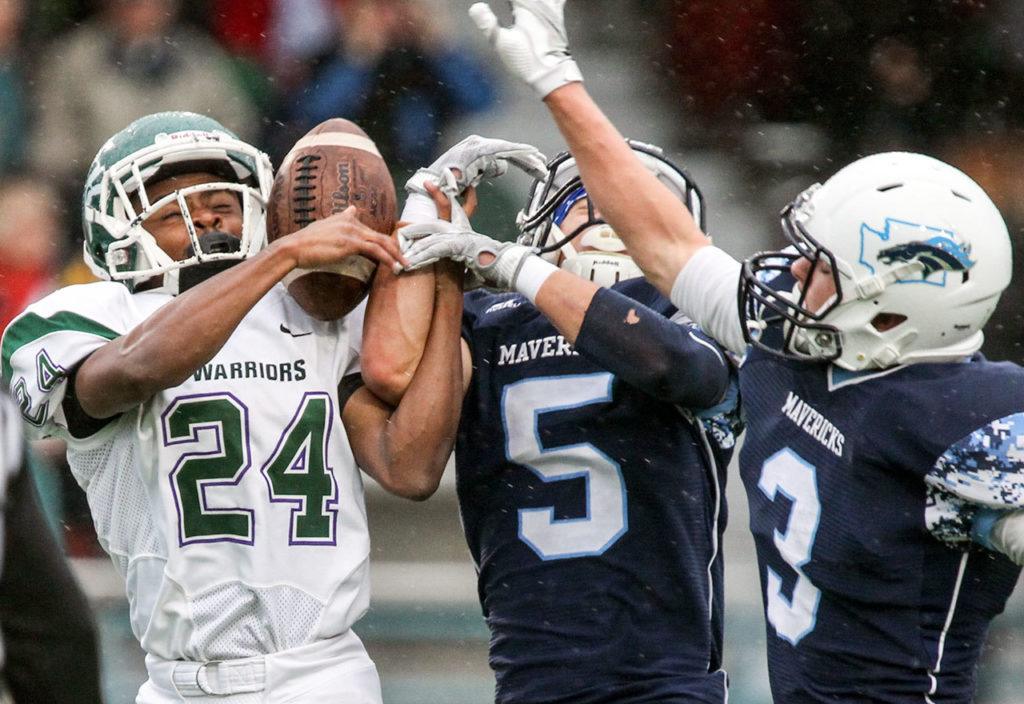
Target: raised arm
{"points": [[655, 225], [638, 344], [399, 309], [398, 317], [186, 333], [659, 232], [405, 449]]}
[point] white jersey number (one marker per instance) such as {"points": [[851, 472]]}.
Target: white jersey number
{"points": [[296, 473], [787, 473], [552, 538]]}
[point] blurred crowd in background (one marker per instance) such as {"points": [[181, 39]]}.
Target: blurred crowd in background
{"points": [[789, 89], [941, 76]]}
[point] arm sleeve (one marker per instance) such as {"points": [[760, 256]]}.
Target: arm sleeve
{"points": [[664, 359], [707, 290], [985, 468], [49, 635]]}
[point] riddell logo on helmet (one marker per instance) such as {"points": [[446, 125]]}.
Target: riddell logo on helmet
{"points": [[188, 136]]}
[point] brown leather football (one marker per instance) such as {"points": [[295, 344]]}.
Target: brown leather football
{"points": [[333, 166]]}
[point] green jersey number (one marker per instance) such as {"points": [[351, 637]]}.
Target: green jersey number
{"points": [[296, 473]]}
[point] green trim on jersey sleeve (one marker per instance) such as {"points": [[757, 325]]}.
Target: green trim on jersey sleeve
{"points": [[30, 327]]}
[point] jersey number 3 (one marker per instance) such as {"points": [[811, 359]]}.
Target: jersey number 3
{"points": [[552, 538], [296, 472], [788, 474]]}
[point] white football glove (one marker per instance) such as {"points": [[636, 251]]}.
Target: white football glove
{"points": [[474, 159], [440, 239], [535, 47]]}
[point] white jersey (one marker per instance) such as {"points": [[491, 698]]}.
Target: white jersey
{"points": [[231, 504]]}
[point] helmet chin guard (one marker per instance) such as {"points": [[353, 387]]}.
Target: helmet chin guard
{"points": [[916, 251], [603, 259]]}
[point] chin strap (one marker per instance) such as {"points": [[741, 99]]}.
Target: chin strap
{"points": [[874, 285]]}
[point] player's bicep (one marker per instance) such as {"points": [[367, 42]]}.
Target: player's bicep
{"points": [[986, 467]]}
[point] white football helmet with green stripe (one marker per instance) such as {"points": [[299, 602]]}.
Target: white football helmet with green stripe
{"points": [[115, 202]]}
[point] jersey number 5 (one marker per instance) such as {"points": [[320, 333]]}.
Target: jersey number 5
{"points": [[788, 474], [552, 538], [296, 472]]}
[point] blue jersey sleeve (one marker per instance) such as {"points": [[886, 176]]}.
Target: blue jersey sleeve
{"points": [[986, 467], [667, 360]]}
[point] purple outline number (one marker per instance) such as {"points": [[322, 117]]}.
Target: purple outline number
{"points": [[305, 462], [223, 455]]}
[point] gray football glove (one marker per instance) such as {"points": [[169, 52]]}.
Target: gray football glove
{"points": [[474, 159], [432, 241], [535, 47]]}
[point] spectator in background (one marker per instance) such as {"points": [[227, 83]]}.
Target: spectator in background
{"points": [[12, 108], [30, 237], [132, 59], [397, 74]]}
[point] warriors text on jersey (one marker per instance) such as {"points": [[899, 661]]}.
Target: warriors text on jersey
{"points": [[593, 512], [231, 504]]}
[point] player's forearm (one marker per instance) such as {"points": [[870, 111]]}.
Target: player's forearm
{"points": [[658, 230], [564, 299], [171, 344], [398, 321], [420, 434]]}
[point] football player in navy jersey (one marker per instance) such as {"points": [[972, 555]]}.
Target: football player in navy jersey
{"points": [[883, 461], [591, 455]]}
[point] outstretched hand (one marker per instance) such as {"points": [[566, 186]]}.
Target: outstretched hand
{"points": [[329, 241], [535, 47]]}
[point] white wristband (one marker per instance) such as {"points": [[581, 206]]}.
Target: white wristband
{"points": [[419, 208], [533, 272]]}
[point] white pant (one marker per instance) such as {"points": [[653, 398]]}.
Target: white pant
{"points": [[337, 670]]}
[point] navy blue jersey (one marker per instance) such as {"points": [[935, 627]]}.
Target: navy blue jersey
{"points": [[852, 480], [594, 514]]}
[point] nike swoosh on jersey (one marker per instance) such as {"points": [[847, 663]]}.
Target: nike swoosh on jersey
{"points": [[295, 334]]}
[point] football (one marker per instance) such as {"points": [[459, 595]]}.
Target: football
{"points": [[333, 166]]}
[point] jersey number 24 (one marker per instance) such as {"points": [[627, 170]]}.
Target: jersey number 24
{"points": [[295, 473]]}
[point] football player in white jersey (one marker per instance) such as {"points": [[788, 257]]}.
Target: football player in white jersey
{"points": [[216, 427]]}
